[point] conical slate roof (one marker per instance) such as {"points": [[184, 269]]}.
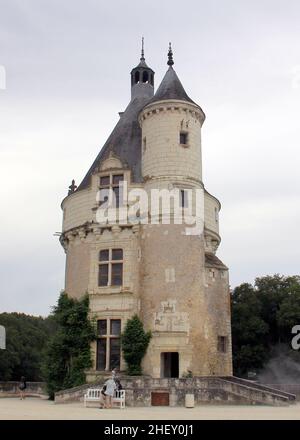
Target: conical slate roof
{"points": [[124, 141], [142, 64], [126, 138], [171, 88]]}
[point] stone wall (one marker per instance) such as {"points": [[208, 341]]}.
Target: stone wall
{"points": [[163, 155], [207, 390], [293, 388], [34, 389]]}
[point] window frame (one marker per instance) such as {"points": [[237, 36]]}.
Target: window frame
{"points": [[112, 188], [183, 198], [108, 337], [222, 344], [109, 263], [186, 138]]}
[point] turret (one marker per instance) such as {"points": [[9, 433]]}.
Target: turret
{"points": [[142, 78], [171, 131]]}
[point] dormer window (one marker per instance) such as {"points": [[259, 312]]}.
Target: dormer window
{"points": [[110, 187], [183, 138]]}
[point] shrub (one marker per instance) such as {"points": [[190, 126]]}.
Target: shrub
{"points": [[135, 342]]}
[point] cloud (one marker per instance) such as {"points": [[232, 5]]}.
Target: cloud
{"points": [[67, 73]]}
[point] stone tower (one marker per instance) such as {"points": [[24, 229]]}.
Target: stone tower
{"points": [[155, 265]]}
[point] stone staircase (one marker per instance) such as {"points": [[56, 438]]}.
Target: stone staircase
{"points": [[264, 388], [255, 393], [207, 390]]}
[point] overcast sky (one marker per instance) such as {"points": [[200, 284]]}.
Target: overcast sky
{"points": [[67, 67]]}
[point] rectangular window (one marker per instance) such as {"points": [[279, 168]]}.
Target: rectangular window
{"points": [[114, 358], [108, 344], [104, 196], [117, 274], [104, 180], [117, 178], [115, 327], [116, 197], [117, 254], [110, 267], [101, 354], [183, 138], [104, 255], [101, 327], [117, 190], [222, 344], [103, 275], [183, 199], [110, 188]]}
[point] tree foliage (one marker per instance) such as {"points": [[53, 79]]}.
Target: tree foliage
{"points": [[262, 317], [26, 337], [135, 342], [68, 353]]}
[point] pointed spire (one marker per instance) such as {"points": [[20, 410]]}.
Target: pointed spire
{"points": [[142, 53], [170, 56], [142, 77]]}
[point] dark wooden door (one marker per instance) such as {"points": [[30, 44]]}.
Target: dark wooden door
{"points": [[160, 399]]}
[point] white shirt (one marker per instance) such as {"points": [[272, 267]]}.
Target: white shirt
{"points": [[110, 387]]}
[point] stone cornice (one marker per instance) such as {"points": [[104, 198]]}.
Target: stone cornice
{"points": [[172, 106]]}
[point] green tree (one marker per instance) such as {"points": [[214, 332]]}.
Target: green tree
{"points": [[263, 316], [68, 353], [248, 330], [289, 314], [273, 291], [26, 337], [135, 342]]}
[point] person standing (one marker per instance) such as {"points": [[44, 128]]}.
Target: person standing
{"points": [[22, 387], [119, 386], [109, 392], [102, 397]]}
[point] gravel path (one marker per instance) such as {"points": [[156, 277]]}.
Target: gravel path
{"points": [[37, 409]]}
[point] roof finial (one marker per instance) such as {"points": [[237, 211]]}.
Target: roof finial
{"points": [[72, 188], [170, 56], [142, 53]]}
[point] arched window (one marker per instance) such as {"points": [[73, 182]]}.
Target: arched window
{"points": [[152, 80], [145, 77], [137, 77]]}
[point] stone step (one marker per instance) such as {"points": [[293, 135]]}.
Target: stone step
{"points": [[256, 385]]}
